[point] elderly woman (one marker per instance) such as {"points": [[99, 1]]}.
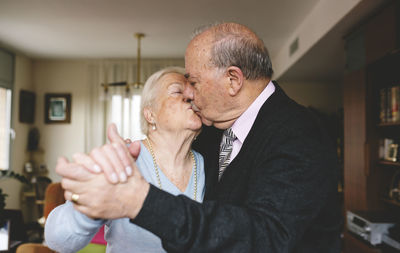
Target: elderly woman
{"points": [[166, 160]]}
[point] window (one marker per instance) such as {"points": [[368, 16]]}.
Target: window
{"points": [[5, 128], [125, 113], [6, 87]]}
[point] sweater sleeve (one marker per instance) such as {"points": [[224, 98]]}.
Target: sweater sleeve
{"points": [[67, 230]]}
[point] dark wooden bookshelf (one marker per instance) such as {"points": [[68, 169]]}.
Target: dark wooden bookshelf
{"points": [[389, 163], [389, 124], [353, 244], [391, 202]]}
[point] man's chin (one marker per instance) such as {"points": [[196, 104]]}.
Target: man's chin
{"points": [[206, 122], [222, 124]]}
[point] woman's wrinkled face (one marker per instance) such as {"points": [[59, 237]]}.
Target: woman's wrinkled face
{"points": [[172, 111]]}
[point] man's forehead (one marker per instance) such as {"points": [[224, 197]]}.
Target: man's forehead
{"points": [[198, 47]]}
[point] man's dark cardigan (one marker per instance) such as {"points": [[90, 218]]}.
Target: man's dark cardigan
{"points": [[279, 194]]}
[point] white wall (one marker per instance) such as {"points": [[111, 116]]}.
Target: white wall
{"points": [[61, 76], [23, 80], [326, 97], [45, 76], [321, 19]]}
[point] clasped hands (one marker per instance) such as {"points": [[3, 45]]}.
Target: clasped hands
{"points": [[106, 183]]}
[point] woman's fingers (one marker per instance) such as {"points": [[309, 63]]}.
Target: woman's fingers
{"points": [[86, 161], [101, 158], [111, 153], [124, 157]]}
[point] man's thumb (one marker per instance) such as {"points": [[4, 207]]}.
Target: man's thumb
{"points": [[62, 161], [113, 135]]}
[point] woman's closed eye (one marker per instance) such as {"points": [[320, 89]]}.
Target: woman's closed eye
{"points": [[176, 89], [176, 92]]}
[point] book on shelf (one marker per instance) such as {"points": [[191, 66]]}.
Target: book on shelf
{"points": [[382, 104], [389, 104], [395, 103]]}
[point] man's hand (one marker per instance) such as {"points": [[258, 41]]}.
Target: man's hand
{"points": [[72, 171], [97, 197]]}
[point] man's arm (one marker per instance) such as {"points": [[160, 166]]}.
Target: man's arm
{"points": [[287, 190]]}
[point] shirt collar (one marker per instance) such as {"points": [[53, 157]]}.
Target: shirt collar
{"points": [[243, 124]]}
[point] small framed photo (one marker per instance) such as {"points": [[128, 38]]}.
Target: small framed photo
{"points": [[392, 153], [57, 108]]}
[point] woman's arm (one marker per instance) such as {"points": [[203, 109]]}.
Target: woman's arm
{"points": [[68, 230]]}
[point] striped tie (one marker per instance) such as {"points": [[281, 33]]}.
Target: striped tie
{"points": [[225, 150]]}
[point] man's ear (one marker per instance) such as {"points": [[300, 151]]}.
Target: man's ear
{"points": [[236, 78]]}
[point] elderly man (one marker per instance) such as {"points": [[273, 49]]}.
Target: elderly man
{"points": [[271, 174]]}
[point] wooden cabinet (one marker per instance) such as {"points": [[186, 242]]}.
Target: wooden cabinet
{"points": [[355, 178], [381, 33], [354, 245], [368, 178]]}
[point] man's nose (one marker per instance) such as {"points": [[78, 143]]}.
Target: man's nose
{"points": [[188, 92]]}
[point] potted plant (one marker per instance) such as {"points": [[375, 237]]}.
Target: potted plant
{"points": [[9, 174]]}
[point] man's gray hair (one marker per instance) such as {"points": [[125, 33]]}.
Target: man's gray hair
{"points": [[150, 93], [236, 45]]}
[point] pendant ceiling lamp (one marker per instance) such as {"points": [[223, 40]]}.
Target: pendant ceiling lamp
{"points": [[137, 84]]}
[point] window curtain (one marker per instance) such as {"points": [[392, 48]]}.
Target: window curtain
{"points": [[117, 106]]}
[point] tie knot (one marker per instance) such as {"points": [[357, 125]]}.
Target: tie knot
{"points": [[229, 134]]}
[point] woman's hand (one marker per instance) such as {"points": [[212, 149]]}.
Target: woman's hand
{"points": [[114, 160]]}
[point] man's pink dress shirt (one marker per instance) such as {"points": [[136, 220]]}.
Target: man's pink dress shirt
{"points": [[243, 124]]}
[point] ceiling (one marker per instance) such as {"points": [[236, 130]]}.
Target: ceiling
{"points": [[104, 29]]}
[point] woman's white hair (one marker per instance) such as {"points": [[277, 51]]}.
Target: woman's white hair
{"points": [[150, 90]]}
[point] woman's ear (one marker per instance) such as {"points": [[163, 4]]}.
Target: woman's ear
{"points": [[148, 115], [236, 79]]}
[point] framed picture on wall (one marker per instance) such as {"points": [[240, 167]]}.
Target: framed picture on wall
{"points": [[57, 108]]}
